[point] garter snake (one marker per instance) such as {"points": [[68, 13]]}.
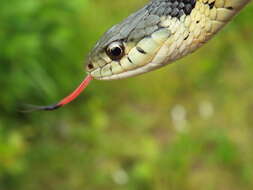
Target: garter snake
{"points": [[158, 34]]}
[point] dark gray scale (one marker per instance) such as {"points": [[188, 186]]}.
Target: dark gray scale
{"points": [[148, 25], [173, 8]]}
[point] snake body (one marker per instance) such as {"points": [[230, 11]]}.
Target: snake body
{"points": [[160, 33]]}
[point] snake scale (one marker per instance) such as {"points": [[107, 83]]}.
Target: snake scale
{"points": [[160, 33]]}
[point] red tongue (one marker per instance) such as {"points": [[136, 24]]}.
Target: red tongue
{"points": [[68, 99], [77, 92]]}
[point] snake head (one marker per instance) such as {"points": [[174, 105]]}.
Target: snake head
{"points": [[159, 33], [128, 48]]}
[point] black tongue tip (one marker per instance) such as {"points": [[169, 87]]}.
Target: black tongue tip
{"points": [[49, 108], [32, 108]]}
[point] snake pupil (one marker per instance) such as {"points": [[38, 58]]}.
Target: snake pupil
{"points": [[115, 51]]}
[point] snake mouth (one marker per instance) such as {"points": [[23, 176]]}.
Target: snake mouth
{"points": [[131, 73]]}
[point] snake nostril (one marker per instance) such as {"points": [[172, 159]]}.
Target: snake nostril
{"points": [[90, 66]]}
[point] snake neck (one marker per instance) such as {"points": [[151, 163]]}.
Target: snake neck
{"points": [[191, 24]]}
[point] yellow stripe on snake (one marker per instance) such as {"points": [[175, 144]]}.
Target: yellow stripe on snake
{"points": [[158, 34]]}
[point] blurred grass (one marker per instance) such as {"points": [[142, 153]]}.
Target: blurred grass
{"points": [[186, 126]]}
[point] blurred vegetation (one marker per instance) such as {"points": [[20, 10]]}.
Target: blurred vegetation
{"points": [[187, 126]]}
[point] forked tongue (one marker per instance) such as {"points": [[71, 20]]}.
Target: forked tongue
{"points": [[65, 100]]}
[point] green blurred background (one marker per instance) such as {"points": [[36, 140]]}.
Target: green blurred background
{"points": [[187, 126]]}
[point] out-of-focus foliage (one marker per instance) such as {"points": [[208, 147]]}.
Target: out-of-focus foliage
{"points": [[185, 127]]}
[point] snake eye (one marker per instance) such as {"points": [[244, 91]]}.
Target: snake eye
{"points": [[115, 50]]}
